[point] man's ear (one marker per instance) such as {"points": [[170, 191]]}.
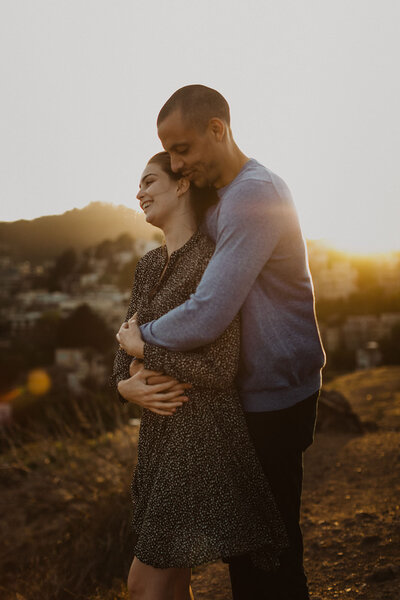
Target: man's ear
{"points": [[183, 186], [217, 127]]}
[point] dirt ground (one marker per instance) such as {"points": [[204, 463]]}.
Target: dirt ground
{"points": [[350, 511], [351, 501]]}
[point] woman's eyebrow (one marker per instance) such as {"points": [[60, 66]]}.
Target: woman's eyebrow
{"points": [[145, 177]]}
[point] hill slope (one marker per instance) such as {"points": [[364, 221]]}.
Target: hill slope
{"points": [[65, 527], [47, 237]]}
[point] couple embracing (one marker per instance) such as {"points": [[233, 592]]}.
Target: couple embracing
{"points": [[221, 349]]}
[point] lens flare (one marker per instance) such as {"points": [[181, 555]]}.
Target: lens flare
{"points": [[38, 382], [11, 395]]}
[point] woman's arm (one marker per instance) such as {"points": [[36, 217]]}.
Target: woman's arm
{"points": [[212, 366], [144, 387], [122, 359]]}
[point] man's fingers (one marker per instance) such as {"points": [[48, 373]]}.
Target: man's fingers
{"points": [[162, 387], [159, 401], [142, 373], [155, 379], [161, 412], [181, 386], [169, 396], [168, 406], [149, 373]]}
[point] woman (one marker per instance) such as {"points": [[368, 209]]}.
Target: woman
{"points": [[198, 491]]}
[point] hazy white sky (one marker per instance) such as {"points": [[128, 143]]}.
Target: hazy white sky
{"points": [[313, 86]]}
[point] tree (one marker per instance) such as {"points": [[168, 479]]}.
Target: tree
{"points": [[390, 347], [65, 265], [124, 242], [84, 329], [105, 249], [126, 274]]}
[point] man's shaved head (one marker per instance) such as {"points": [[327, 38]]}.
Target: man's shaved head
{"points": [[198, 104]]}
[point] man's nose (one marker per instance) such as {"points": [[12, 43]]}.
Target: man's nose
{"points": [[176, 164]]}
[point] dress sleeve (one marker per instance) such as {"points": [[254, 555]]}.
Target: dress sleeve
{"points": [[212, 366], [122, 359]]}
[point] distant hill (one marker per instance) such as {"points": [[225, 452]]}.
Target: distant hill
{"points": [[47, 237]]}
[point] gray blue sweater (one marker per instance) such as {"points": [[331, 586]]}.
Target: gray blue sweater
{"points": [[260, 268]]}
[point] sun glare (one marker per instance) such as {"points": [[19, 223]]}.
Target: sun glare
{"points": [[361, 246]]}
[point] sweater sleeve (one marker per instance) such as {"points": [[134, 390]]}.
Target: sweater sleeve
{"points": [[212, 366], [123, 360], [249, 228]]}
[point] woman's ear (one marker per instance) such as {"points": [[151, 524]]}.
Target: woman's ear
{"points": [[183, 186]]}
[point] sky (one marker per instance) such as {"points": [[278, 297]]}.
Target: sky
{"points": [[313, 86]]}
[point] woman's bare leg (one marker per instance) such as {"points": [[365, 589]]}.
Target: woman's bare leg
{"points": [[183, 591], [149, 583]]}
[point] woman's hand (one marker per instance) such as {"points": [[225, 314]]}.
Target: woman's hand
{"points": [[135, 366], [130, 338], [158, 393]]}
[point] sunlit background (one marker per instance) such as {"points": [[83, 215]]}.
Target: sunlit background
{"points": [[313, 88]]}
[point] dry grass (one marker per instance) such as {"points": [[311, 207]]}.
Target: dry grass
{"points": [[65, 508], [60, 414]]}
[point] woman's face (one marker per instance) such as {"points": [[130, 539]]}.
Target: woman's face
{"points": [[158, 195]]}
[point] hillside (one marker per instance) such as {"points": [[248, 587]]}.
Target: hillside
{"points": [[66, 510], [46, 237]]}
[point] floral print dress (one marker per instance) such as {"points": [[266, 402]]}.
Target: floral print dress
{"points": [[198, 490]]}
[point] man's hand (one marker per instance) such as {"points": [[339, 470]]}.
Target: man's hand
{"points": [[152, 390], [130, 338]]}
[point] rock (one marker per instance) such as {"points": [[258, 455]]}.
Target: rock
{"points": [[384, 572], [316, 545], [366, 516], [335, 413], [371, 539]]}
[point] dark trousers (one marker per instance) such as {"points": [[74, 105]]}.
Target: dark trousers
{"points": [[280, 438]]}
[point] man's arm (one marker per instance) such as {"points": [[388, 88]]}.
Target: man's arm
{"points": [[210, 366], [248, 230]]}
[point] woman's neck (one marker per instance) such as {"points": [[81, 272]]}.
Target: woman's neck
{"points": [[178, 233]]}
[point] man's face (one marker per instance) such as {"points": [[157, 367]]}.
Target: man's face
{"points": [[193, 152]]}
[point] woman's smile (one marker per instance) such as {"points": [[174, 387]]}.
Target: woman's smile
{"points": [[145, 204]]}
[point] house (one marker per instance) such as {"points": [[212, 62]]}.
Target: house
{"points": [[368, 356], [337, 281], [81, 363]]}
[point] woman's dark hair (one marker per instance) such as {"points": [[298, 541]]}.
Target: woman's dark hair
{"points": [[200, 198]]}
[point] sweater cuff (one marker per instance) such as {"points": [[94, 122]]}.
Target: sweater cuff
{"points": [[153, 357]]}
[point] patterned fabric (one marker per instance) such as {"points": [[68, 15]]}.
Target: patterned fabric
{"points": [[198, 491]]}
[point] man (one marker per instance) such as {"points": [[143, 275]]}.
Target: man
{"points": [[260, 268]]}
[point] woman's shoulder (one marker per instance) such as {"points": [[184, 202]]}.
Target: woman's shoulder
{"points": [[204, 247], [147, 260], [154, 253]]}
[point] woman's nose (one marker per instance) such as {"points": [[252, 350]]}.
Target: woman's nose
{"points": [[139, 195]]}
